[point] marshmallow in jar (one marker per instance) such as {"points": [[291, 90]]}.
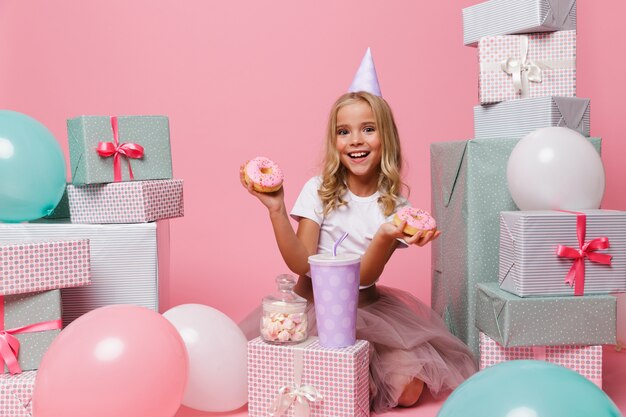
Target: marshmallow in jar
{"points": [[284, 319]]}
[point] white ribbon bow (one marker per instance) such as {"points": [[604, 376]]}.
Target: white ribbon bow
{"points": [[301, 395], [298, 394], [523, 70]]}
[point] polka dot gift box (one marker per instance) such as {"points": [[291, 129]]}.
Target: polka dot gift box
{"points": [[126, 202], [537, 321], [330, 382], [16, 392], [525, 66], [119, 148], [586, 360]]}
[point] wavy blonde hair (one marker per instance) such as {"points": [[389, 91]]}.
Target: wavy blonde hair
{"points": [[334, 173]]}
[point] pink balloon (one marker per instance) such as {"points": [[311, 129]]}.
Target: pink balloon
{"points": [[121, 361]]}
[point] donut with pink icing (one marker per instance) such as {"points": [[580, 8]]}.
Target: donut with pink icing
{"points": [[264, 174], [417, 220]]}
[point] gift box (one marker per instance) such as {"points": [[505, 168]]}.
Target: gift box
{"points": [[126, 202], [469, 190], [331, 382], [621, 320], [517, 118], [539, 321], [505, 17], [562, 252], [29, 323], [125, 264], [107, 149], [586, 360], [16, 393], [527, 66], [44, 265]]}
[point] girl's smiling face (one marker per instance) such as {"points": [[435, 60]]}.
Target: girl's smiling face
{"points": [[358, 141]]}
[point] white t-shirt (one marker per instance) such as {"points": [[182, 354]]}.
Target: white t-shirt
{"points": [[361, 218]]}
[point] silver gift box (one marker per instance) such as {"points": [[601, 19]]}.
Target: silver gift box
{"points": [[508, 17], [530, 266], [517, 118]]}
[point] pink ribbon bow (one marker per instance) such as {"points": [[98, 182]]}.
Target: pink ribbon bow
{"points": [[10, 346], [114, 149], [576, 275]]}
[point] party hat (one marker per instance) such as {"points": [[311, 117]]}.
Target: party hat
{"points": [[365, 78]]}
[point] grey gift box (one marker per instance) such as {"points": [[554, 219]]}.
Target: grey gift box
{"points": [[32, 308], [151, 132], [517, 118], [469, 190], [126, 266], [507, 17], [529, 265], [544, 321]]}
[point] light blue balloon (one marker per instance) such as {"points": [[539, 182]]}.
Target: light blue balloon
{"points": [[525, 388], [32, 168]]}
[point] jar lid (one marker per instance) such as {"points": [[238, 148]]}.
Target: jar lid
{"points": [[283, 307]]}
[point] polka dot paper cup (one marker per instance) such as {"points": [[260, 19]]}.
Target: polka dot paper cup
{"points": [[336, 292]]}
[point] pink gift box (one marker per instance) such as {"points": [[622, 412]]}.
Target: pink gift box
{"points": [[526, 66], [337, 379], [16, 392], [586, 360], [126, 202], [40, 266]]}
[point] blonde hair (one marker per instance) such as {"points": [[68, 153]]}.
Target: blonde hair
{"points": [[334, 173]]}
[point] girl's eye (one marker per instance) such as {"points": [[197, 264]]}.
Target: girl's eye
{"points": [[369, 129], [342, 131]]}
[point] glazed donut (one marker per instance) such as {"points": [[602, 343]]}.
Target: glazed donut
{"points": [[264, 174], [417, 220]]}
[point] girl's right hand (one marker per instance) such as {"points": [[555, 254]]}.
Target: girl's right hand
{"points": [[273, 201]]}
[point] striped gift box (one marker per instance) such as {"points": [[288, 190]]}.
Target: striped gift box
{"points": [[339, 377], [16, 394], [124, 262], [506, 17], [126, 202], [517, 118], [586, 360], [529, 263], [512, 67]]}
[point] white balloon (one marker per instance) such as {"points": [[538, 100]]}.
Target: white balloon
{"points": [[555, 168], [218, 358]]}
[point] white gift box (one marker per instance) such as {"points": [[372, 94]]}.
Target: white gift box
{"points": [[517, 118], [506, 17], [124, 261], [540, 252]]}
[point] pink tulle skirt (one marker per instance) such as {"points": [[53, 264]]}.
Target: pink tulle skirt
{"points": [[407, 340]]}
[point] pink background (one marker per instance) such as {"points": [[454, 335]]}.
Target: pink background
{"points": [[240, 79]]}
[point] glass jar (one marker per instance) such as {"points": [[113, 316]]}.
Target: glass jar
{"points": [[284, 319]]}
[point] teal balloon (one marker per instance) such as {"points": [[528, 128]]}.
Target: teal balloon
{"points": [[32, 168], [528, 388]]}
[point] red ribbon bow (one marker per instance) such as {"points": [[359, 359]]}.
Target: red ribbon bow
{"points": [[114, 149], [576, 275]]}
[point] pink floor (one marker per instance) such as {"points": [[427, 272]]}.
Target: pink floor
{"points": [[614, 383]]}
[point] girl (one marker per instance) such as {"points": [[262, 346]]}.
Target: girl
{"points": [[359, 192]]}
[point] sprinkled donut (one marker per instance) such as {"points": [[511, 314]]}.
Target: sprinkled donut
{"points": [[417, 220], [264, 174]]}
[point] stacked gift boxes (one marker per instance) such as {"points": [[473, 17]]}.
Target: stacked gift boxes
{"points": [[31, 276], [527, 81]]}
